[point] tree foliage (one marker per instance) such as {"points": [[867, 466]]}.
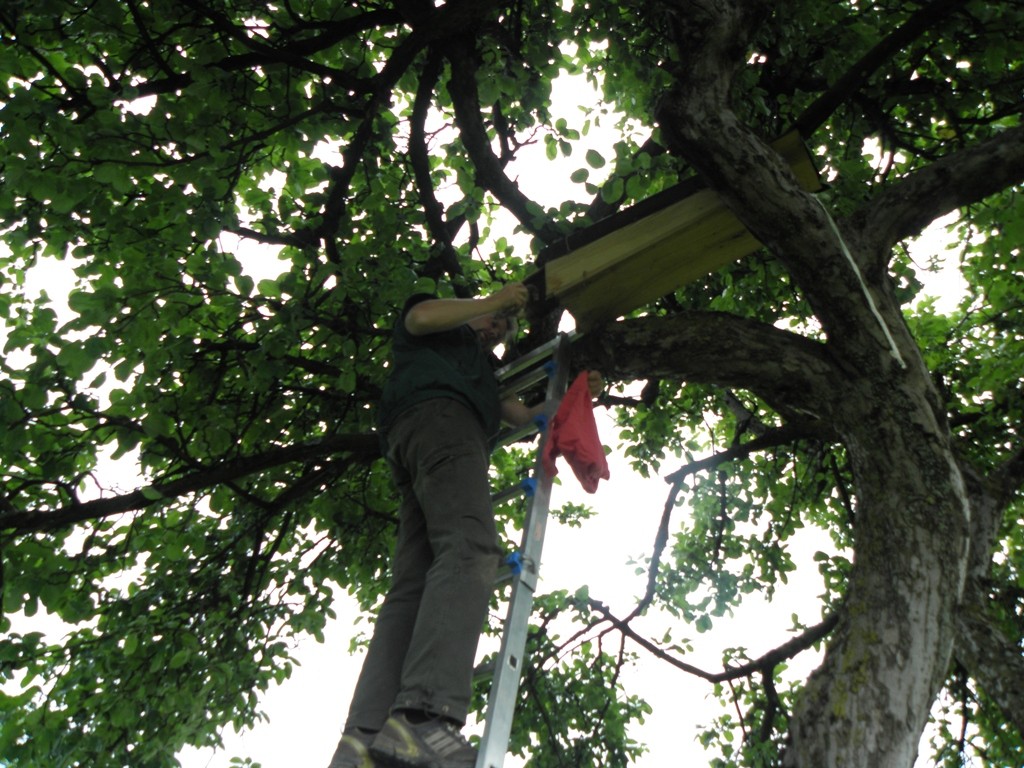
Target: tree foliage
{"points": [[244, 194]]}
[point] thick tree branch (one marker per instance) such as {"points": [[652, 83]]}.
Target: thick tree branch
{"points": [[15, 523], [760, 188], [444, 253], [490, 173], [794, 374], [452, 19], [295, 53], [980, 645], [903, 209], [990, 497], [990, 657], [856, 76]]}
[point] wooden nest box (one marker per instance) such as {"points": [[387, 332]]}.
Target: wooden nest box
{"points": [[653, 248]]}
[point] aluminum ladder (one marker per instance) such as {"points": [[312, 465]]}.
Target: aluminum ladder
{"points": [[550, 360]]}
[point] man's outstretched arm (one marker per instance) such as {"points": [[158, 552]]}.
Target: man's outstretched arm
{"points": [[437, 315]]}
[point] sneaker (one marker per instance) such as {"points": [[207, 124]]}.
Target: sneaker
{"points": [[353, 751], [436, 743]]}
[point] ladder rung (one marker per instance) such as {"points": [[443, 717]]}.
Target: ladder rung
{"points": [[530, 358], [508, 493], [519, 383], [507, 437], [484, 670]]}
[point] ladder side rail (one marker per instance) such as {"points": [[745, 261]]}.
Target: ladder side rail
{"points": [[508, 672]]}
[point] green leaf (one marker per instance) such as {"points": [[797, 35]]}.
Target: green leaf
{"points": [[151, 493], [612, 191], [131, 644], [179, 659], [269, 288]]}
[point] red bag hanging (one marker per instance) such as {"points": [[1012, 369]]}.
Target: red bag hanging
{"points": [[572, 433]]}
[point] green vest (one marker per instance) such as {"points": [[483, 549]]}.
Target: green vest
{"points": [[449, 364]]}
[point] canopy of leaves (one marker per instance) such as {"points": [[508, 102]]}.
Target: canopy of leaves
{"points": [[243, 194]]}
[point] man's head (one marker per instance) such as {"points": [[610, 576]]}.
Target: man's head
{"points": [[495, 329]]}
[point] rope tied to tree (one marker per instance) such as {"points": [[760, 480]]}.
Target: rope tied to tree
{"points": [[893, 349]]}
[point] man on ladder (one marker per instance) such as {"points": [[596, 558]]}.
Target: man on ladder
{"points": [[439, 417]]}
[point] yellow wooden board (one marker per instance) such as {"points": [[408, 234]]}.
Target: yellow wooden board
{"points": [[644, 260]]}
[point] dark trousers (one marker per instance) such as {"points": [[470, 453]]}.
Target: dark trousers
{"points": [[446, 559]]}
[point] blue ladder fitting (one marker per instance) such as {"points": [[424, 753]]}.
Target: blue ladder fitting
{"points": [[541, 421], [529, 485], [550, 367], [514, 560]]}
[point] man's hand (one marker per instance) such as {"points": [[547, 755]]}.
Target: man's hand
{"points": [[510, 300], [514, 412]]}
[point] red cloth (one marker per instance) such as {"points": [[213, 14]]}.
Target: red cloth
{"points": [[573, 433]]}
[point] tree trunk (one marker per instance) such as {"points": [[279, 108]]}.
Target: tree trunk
{"points": [[867, 705]]}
